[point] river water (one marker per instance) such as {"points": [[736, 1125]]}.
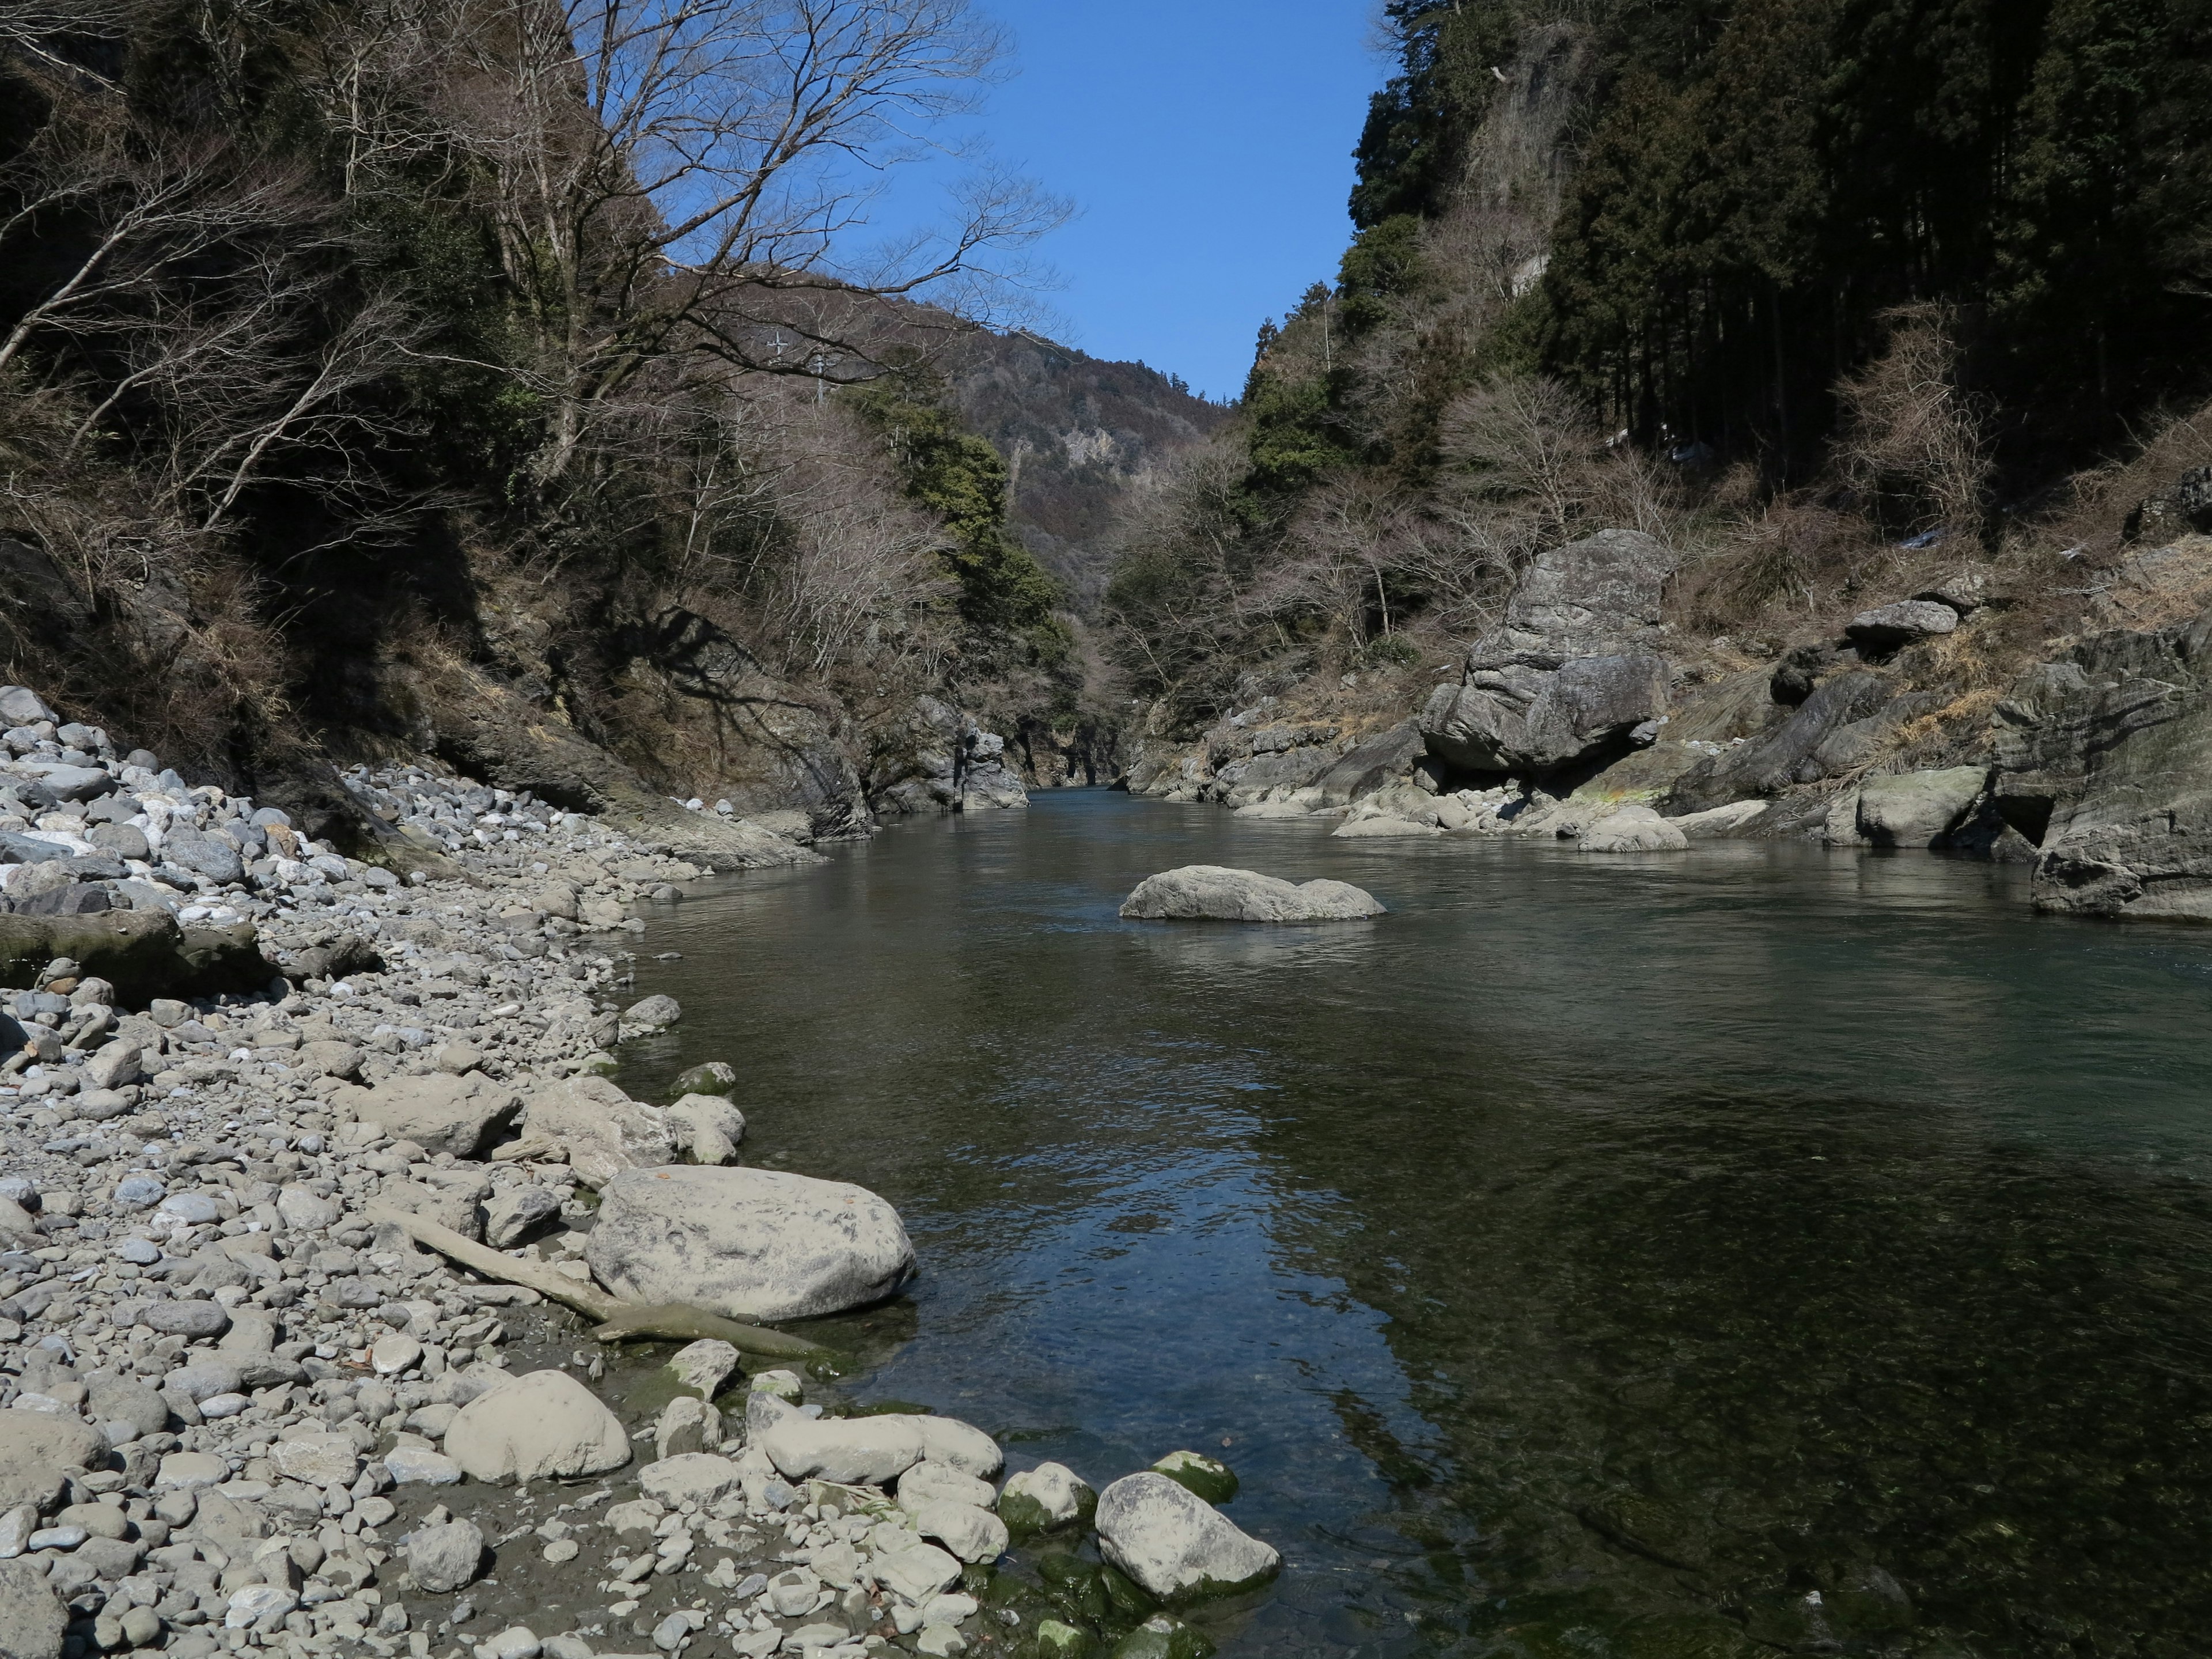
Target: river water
{"points": [[1701, 1254]]}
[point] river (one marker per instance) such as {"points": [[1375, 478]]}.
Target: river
{"points": [[1684, 1255]]}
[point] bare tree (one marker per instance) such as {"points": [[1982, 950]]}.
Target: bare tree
{"points": [[688, 176]]}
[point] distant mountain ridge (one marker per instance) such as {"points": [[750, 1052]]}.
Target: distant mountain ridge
{"points": [[1079, 434]]}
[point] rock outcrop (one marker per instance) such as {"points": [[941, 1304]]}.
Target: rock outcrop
{"points": [[942, 760], [1214, 892], [1572, 670], [2105, 758]]}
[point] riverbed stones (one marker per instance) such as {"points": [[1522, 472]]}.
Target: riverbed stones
{"points": [[542, 1425], [1176, 1544], [750, 1245], [1212, 893]]}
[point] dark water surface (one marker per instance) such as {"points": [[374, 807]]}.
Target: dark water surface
{"points": [[1759, 1249]]}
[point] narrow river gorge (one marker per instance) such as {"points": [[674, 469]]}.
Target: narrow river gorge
{"points": [[1767, 1247]]}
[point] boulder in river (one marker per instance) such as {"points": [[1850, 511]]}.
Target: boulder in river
{"points": [[1633, 829], [1048, 1496], [543, 1426], [1918, 809], [1214, 892], [1175, 1544], [751, 1244]]}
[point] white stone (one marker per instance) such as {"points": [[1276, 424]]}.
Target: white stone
{"points": [[870, 1451], [973, 1535], [389, 1355], [1173, 1543], [541, 1426], [418, 1465], [959, 1445], [700, 1478], [1055, 1489], [1214, 892], [917, 1573], [320, 1460]]}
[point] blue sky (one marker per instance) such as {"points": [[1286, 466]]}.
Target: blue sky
{"points": [[1207, 145]]}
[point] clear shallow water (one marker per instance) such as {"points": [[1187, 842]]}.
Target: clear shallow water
{"points": [[1759, 1249]]}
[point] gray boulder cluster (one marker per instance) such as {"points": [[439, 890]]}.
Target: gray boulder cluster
{"points": [[1214, 892], [242, 1409]]}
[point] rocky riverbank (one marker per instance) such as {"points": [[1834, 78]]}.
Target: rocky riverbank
{"points": [[242, 1408], [1932, 721]]}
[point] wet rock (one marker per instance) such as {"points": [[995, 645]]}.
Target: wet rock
{"points": [[751, 1244], [715, 1077], [1209, 1477], [705, 1367], [1049, 1496], [650, 1014], [1210, 892], [444, 1558], [1174, 1544], [545, 1425]]}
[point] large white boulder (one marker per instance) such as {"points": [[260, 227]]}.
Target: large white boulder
{"points": [[604, 1130], [868, 1451], [1214, 892], [752, 1244], [546, 1425], [1175, 1543]]}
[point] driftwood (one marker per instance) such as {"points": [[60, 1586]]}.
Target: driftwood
{"points": [[616, 1319]]}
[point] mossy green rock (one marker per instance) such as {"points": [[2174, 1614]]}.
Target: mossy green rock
{"points": [[1207, 1477], [716, 1077], [1055, 1640], [1163, 1636]]}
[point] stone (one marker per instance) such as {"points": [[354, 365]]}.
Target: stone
{"points": [[1384, 827], [1048, 1496], [959, 1445], [389, 1355], [1163, 1636], [917, 1572], [542, 1425], [1388, 757], [305, 1212], [604, 1130], [116, 1066], [699, 1478], [851, 1450], [1888, 627], [191, 1471], [203, 854], [513, 1214], [927, 1482], [650, 1014], [1055, 1640], [1918, 809], [1176, 1544], [1718, 822], [418, 1465], [940, 1642], [1633, 828], [516, 1641], [20, 705], [714, 1077], [37, 1448], [259, 1607], [1212, 893], [438, 1112], [187, 1319], [125, 841], [318, 1458], [1209, 1477], [126, 1399], [708, 1126], [976, 1535], [705, 1367], [32, 1618], [745, 1243], [687, 1423], [792, 1594], [444, 1558], [328, 1058], [450, 1204]]}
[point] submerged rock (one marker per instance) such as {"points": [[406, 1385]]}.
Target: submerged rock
{"points": [[1212, 893], [751, 1244], [1175, 1544]]}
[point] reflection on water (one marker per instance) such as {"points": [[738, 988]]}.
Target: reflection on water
{"points": [[1759, 1249]]}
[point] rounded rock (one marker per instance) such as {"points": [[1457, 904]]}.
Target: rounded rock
{"points": [[541, 1426]]}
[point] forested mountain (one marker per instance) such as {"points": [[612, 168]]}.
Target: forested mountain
{"points": [[1791, 282], [516, 382]]}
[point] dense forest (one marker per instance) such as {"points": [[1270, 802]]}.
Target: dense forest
{"points": [[1796, 280], [404, 373]]}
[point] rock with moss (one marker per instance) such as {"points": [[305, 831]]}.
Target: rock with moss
{"points": [[715, 1077], [1056, 1640], [1163, 1636], [1209, 1477], [1048, 1496], [1176, 1544]]}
